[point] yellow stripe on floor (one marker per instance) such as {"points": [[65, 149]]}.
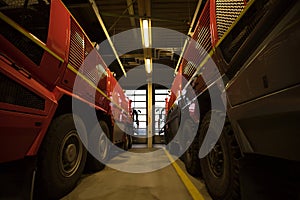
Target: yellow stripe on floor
{"points": [[194, 192]]}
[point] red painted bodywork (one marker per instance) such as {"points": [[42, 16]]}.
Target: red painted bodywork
{"points": [[213, 23], [22, 129], [21, 126], [205, 35]]}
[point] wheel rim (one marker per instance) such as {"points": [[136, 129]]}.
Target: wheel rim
{"points": [[188, 155], [126, 142], [216, 160], [103, 146], [71, 152]]}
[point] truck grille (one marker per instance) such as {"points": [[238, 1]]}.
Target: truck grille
{"points": [[12, 92], [24, 44]]}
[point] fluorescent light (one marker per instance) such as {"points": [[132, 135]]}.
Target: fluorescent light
{"points": [[146, 33], [148, 65]]}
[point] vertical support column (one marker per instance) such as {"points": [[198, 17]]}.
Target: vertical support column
{"points": [[150, 120]]}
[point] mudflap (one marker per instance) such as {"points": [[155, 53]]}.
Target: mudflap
{"points": [[17, 179], [264, 178]]}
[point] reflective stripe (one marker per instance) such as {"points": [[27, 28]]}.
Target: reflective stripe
{"points": [[95, 87], [43, 45], [29, 35], [194, 192]]}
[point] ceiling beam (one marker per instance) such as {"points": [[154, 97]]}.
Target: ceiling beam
{"points": [[131, 12], [189, 34], [108, 14], [78, 5], [144, 8], [132, 56], [96, 11], [123, 13]]}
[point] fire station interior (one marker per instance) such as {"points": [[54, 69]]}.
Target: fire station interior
{"points": [[148, 168], [119, 16]]}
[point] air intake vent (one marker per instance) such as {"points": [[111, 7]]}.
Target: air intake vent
{"points": [[76, 55], [202, 32], [14, 93], [189, 70], [80, 47], [202, 45], [226, 13], [241, 31]]}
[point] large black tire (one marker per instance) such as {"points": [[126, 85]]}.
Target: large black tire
{"points": [[130, 141], [61, 158], [190, 157], [125, 144], [99, 147], [166, 135], [129, 136], [220, 168], [174, 149], [172, 126]]}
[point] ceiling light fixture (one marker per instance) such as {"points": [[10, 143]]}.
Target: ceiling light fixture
{"points": [[148, 65], [146, 32], [97, 13]]}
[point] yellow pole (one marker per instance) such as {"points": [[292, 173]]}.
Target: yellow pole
{"points": [[149, 133]]}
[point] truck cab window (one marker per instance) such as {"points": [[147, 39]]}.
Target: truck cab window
{"points": [[33, 15]]}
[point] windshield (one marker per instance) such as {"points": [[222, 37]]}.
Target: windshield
{"points": [[31, 15]]}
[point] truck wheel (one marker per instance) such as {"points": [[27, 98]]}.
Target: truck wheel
{"points": [[62, 157], [191, 160], [190, 157], [130, 141], [220, 167], [166, 135], [174, 149], [99, 145], [125, 144]]}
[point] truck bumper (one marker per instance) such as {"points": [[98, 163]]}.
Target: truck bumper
{"points": [[264, 178], [17, 179]]}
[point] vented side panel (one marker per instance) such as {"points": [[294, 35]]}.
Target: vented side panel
{"points": [[240, 32], [189, 69], [88, 47], [202, 34], [80, 47], [13, 93], [200, 46], [76, 54], [226, 13]]}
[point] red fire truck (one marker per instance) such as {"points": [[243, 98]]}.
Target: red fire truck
{"points": [[42, 49], [255, 46]]}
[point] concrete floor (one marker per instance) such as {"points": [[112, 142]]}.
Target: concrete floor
{"points": [[111, 184]]}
